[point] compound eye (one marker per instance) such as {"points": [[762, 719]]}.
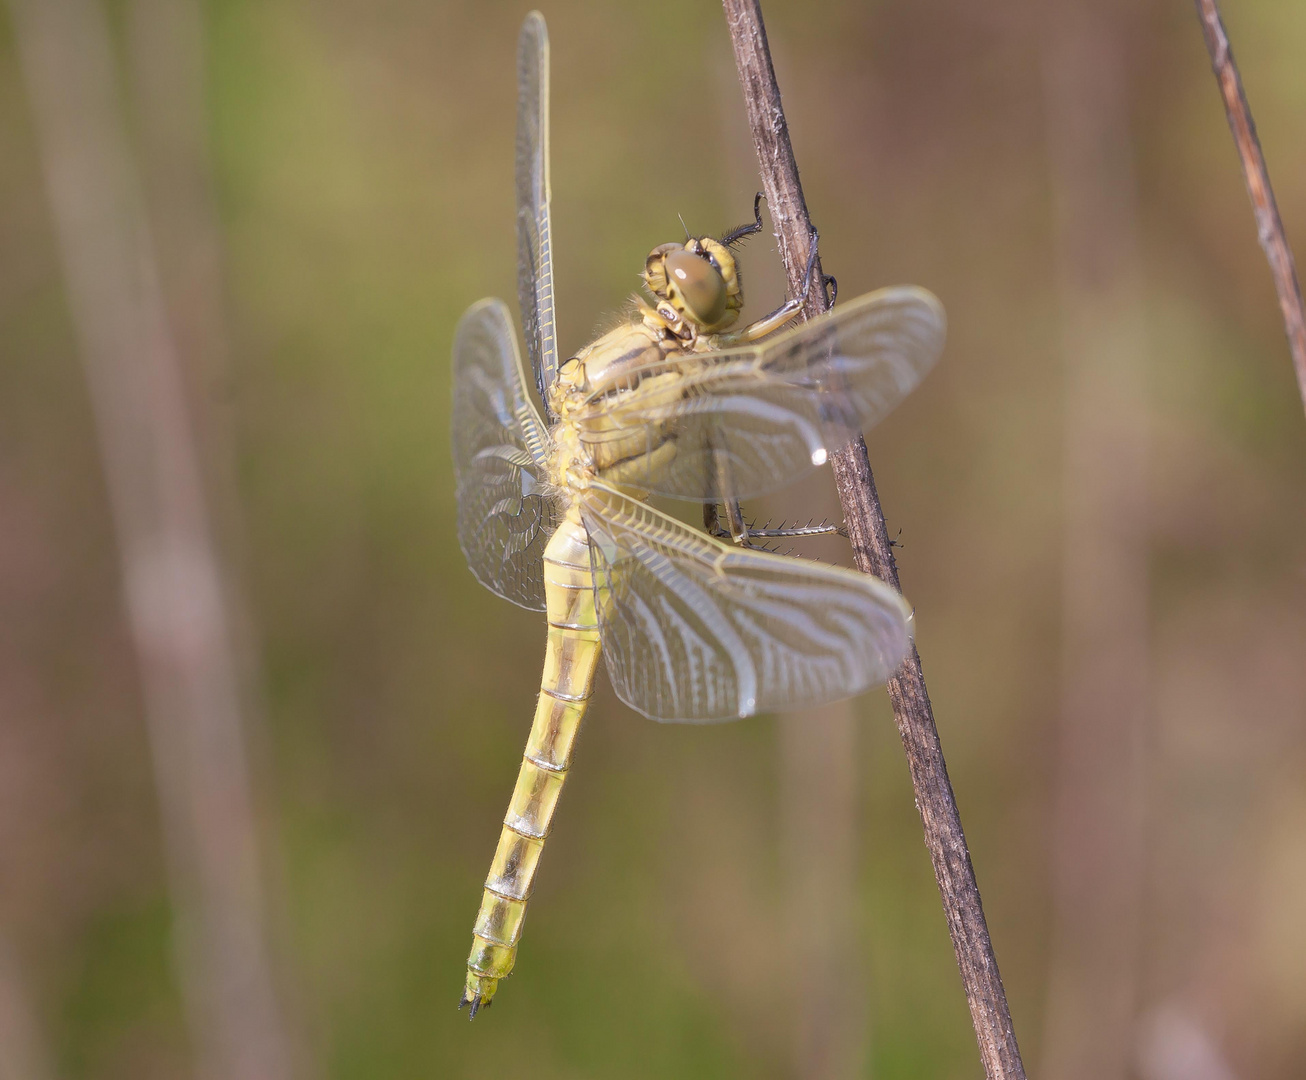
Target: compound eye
{"points": [[699, 284]]}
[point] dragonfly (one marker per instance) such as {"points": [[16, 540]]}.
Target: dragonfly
{"points": [[554, 512]]}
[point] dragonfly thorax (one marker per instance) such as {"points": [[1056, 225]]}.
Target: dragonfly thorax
{"points": [[570, 466], [623, 368], [615, 362]]}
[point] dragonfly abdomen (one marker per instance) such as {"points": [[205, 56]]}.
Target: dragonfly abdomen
{"points": [[570, 661]]}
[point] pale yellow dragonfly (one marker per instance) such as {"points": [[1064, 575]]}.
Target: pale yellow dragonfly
{"points": [[552, 514]]}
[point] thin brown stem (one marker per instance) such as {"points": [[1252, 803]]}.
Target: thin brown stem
{"points": [[1269, 226], [872, 553]]}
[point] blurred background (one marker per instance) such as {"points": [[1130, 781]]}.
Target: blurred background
{"points": [[259, 724]]}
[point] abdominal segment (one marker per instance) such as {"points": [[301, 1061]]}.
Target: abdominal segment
{"points": [[570, 661]]}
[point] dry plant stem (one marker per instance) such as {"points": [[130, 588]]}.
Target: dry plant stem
{"points": [[22, 1052], [1099, 824], [172, 579], [872, 553], [1269, 227]]}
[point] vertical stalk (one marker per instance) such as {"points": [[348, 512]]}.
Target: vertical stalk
{"points": [[872, 553], [22, 1052], [1098, 834], [173, 583], [819, 837], [1269, 226]]}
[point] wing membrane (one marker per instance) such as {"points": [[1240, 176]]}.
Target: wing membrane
{"points": [[749, 420], [695, 630], [534, 246], [500, 445]]}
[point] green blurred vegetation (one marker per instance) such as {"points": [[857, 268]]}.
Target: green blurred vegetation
{"points": [[362, 157]]}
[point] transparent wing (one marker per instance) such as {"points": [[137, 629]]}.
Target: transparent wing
{"points": [[694, 629], [500, 445], [534, 248], [749, 420]]}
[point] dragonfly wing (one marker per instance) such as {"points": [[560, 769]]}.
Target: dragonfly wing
{"points": [[534, 247], [750, 420], [696, 630], [500, 447]]}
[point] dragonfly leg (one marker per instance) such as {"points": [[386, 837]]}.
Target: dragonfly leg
{"points": [[744, 534], [735, 520], [831, 288], [712, 522], [740, 231], [781, 315], [735, 528], [825, 528]]}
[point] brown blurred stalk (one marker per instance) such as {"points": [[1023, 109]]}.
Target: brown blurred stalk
{"points": [[819, 836], [872, 553], [1174, 1045], [166, 54], [172, 580], [22, 1053], [1269, 226], [1098, 828]]}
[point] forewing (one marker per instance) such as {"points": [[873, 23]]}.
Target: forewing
{"points": [[534, 247], [696, 630], [500, 446], [750, 420]]}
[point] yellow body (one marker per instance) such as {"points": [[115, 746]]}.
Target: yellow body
{"points": [[570, 661], [572, 654], [679, 403], [813, 632]]}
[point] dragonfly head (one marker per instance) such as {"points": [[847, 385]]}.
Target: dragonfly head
{"points": [[698, 280]]}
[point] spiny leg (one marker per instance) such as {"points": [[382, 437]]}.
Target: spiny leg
{"points": [[738, 233], [785, 312], [825, 528], [712, 521], [734, 528], [742, 533]]}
